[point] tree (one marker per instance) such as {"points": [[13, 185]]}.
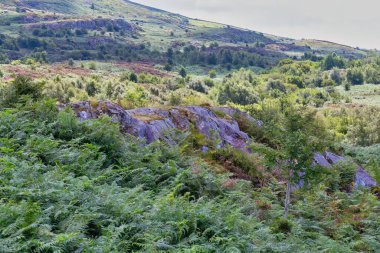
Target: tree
{"points": [[355, 76], [133, 77], [71, 62], [21, 90], [297, 135], [212, 59], [91, 89], [372, 74], [331, 61], [239, 93], [276, 84], [347, 86], [183, 72], [336, 76]]}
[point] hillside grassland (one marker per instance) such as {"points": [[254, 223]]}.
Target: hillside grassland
{"points": [[367, 94]]}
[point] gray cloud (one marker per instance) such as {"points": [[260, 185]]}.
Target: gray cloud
{"points": [[355, 23]]}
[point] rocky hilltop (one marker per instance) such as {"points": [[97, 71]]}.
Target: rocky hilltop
{"points": [[219, 123]]}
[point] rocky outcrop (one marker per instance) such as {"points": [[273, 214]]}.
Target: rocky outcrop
{"points": [[154, 124], [89, 24], [217, 123], [328, 159]]}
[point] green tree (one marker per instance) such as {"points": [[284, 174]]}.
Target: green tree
{"points": [[182, 72], [20, 90], [71, 62], [133, 77], [372, 74], [297, 134], [336, 76], [347, 86], [238, 93], [331, 61], [355, 76], [91, 89]]}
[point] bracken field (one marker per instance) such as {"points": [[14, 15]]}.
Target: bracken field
{"points": [[124, 128]]}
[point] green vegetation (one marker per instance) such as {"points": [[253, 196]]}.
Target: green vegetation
{"points": [[68, 185]]}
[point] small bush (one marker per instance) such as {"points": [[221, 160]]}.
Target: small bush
{"points": [[282, 225], [92, 66], [21, 90], [212, 73], [342, 177], [208, 82], [197, 86]]}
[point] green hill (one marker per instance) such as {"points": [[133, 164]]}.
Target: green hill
{"points": [[81, 28]]}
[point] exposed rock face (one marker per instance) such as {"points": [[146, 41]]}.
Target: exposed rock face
{"points": [[90, 24], [154, 124], [327, 160]]}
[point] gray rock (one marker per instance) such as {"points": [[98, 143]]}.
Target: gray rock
{"points": [[362, 178], [152, 124], [321, 160]]}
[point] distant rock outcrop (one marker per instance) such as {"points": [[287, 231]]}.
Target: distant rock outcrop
{"points": [[219, 123]]}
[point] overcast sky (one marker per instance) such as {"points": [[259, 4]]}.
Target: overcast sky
{"points": [[350, 22]]}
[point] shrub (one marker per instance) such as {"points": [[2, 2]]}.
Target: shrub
{"points": [[208, 82], [20, 90], [238, 92], [355, 76], [92, 65], [134, 97], [342, 176], [372, 74], [336, 76], [197, 86], [331, 61], [183, 72], [247, 163], [91, 88], [133, 77], [71, 62], [175, 99], [282, 225], [212, 73], [275, 85]]}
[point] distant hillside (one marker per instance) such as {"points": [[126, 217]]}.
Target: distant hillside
{"points": [[123, 30]]}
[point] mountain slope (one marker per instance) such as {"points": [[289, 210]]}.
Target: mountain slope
{"points": [[61, 28]]}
